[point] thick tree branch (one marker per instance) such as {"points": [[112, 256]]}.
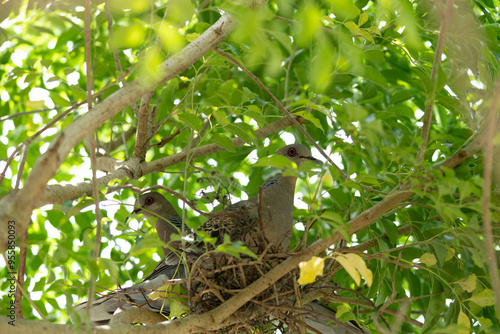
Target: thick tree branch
{"points": [[18, 205], [133, 168]]}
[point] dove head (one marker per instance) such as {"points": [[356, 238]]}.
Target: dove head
{"points": [[297, 153], [154, 204]]}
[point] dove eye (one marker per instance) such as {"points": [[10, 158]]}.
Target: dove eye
{"points": [[149, 200], [292, 152]]}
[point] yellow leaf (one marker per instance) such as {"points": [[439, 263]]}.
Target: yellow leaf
{"points": [[341, 309], [463, 320], [34, 104], [363, 17], [309, 270], [469, 283], [367, 36], [192, 37], [484, 298], [355, 266], [161, 292], [172, 41], [428, 259]]}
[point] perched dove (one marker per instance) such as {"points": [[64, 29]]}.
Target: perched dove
{"points": [[168, 222]]}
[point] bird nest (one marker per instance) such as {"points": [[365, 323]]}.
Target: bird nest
{"points": [[272, 307], [216, 275]]}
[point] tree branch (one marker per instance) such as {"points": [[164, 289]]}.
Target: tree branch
{"points": [[133, 169], [142, 136], [430, 99], [486, 201]]}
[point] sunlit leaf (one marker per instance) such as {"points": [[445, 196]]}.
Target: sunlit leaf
{"points": [[355, 266], [483, 298], [310, 269], [428, 259]]}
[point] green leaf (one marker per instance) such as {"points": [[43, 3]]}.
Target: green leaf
{"points": [[375, 76], [391, 230], [59, 100], [483, 298], [428, 259], [345, 9], [205, 237], [235, 249], [223, 141], [309, 116], [193, 121], [244, 131], [469, 283], [363, 18], [435, 308]]}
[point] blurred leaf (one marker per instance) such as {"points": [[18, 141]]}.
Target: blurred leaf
{"points": [[469, 283], [483, 298], [428, 259]]}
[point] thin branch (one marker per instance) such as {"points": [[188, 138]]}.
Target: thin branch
{"points": [[435, 66], [486, 196], [20, 287], [289, 116], [141, 137], [88, 61]]}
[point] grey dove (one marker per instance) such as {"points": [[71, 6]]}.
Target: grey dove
{"points": [[321, 320], [272, 212], [243, 220], [168, 222]]}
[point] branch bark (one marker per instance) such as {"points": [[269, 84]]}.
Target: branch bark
{"points": [[134, 168]]}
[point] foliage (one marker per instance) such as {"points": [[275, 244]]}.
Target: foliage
{"points": [[359, 73]]}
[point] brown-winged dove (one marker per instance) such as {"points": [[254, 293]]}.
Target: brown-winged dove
{"points": [[270, 216], [168, 222], [267, 220]]}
